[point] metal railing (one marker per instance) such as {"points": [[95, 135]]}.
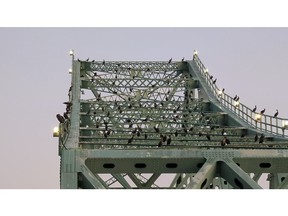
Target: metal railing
{"points": [[266, 123]]}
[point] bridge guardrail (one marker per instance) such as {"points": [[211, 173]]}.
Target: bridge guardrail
{"points": [[266, 123]]}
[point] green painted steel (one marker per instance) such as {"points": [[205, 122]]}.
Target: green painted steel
{"points": [[164, 125]]}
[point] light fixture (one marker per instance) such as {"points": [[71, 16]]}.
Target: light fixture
{"points": [[285, 124], [258, 117], [236, 103], [71, 53], [220, 92], [56, 132]]}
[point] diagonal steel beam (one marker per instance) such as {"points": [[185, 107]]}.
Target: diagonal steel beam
{"points": [[94, 179], [121, 180], [151, 180], [204, 176], [173, 183], [135, 180], [238, 178], [257, 176]]}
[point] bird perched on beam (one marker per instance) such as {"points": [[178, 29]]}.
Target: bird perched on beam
{"points": [[262, 111], [60, 118], [170, 60], [254, 110], [276, 114]]}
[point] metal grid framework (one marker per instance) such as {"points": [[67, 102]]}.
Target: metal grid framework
{"points": [[128, 123]]}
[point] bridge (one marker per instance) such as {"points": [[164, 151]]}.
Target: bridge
{"points": [[164, 124]]}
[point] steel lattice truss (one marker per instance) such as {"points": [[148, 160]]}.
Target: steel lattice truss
{"points": [[128, 123]]}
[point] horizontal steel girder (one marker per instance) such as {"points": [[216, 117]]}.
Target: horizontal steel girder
{"points": [[180, 160]]}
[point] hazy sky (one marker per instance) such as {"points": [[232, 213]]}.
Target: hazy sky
{"points": [[249, 62]]}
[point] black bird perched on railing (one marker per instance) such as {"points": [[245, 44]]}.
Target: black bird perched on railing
{"points": [[261, 139], [276, 114], [87, 59], [103, 63], [182, 59], [225, 141], [254, 109], [235, 97], [130, 140], [262, 111], [214, 81], [169, 140], [60, 118], [256, 138], [170, 60]]}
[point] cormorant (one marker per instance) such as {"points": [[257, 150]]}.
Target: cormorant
{"points": [[182, 59], [156, 129], [60, 118], [87, 59], [103, 63], [235, 97], [254, 109], [262, 111], [130, 140], [261, 139], [276, 114], [170, 60], [256, 138], [169, 140], [214, 81]]}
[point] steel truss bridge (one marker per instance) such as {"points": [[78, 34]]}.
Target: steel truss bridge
{"points": [[164, 124]]}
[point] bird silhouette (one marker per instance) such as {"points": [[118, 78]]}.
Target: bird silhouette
{"points": [[214, 81], [254, 110], [103, 63], [182, 59], [60, 118], [130, 140], [87, 59], [262, 111], [170, 60], [235, 97], [256, 138], [261, 139], [156, 129], [276, 114], [169, 140]]}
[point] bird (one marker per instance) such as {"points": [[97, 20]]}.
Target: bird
{"points": [[276, 114], [214, 81], [156, 129], [160, 143], [170, 60], [256, 138], [262, 111], [225, 141], [146, 136], [65, 115], [87, 59], [235, 97], [169, 140], [261, 139], [182, 59], [60, 118], [208, 137], [93, 61], [78, 60], [130, 140], [211, 77], [254, 110], [103, 63]]}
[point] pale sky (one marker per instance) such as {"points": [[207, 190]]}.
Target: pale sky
{"points": [[249, 62]]}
